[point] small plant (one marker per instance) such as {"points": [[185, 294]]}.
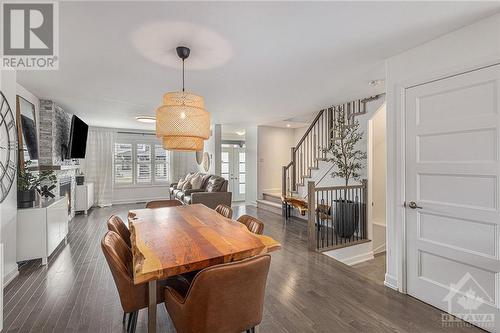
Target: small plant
{"points": [[348, 160], [28, 181]]}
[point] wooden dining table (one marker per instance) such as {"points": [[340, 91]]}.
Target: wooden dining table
{"points": [[175, 240]]}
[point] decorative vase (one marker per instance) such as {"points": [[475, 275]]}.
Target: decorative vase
{"points": [[25, 199], [346, 218]]}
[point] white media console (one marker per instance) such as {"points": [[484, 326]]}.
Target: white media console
{"points": [[41, 229]]}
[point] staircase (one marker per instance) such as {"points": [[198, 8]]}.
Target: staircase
{"points": [[271, 201], [337, 215], [310, 150]]}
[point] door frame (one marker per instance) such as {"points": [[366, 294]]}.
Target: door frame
{"points": [[396, 232]]}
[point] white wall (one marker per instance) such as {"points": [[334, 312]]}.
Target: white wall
{"points": [[273, 151], [251, 142], [465, 49], [377, 159], [379, 166], [8, 208], [298, 133]]}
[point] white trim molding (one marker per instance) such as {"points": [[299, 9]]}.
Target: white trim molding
{"points": [[391, 282]]}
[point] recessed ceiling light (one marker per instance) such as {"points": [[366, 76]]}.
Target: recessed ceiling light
{"points": [[374, 83], [288, 125], [240, 133], [146, 119]]}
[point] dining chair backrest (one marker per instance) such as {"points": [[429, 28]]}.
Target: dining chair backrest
{"points": [[117, 225], [163, 203], [224, 210], [119, 258], [221, 298], [253, 224]]}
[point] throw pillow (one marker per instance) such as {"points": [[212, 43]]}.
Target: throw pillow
{"points": [[215, 184], [180, 183], [189, 176], [187, 186], [196, 182], [206, 177]]}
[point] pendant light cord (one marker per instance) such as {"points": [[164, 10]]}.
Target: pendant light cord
{"points": [[182, 75]]}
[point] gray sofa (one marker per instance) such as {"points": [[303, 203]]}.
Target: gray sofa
{"points": [[204, 195]]}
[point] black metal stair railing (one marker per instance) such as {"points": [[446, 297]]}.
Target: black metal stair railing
{"points": [[337, 216]]}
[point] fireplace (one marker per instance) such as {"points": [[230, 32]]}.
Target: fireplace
{"points": [[65, 191]]}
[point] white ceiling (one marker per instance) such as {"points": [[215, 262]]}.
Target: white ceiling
{"points": [[258, 62]]}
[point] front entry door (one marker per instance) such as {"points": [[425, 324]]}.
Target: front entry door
{"points": [[233, 169], [452, 196]]}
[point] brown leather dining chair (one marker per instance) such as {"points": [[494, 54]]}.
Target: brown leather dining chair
{"points": [[117, 225], [163, 203], [224, 210], [132, 297], [253, 224], [226, 298]]}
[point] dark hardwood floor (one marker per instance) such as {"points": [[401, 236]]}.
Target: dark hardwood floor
{"points": [[373, 269], [306, 291]]}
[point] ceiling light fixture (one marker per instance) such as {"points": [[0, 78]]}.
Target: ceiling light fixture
{"points": [[146, 119], [288, 125], [240, 133], [182, 120]]}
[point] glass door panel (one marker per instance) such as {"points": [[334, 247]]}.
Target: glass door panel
{"points": [[233, 169]]}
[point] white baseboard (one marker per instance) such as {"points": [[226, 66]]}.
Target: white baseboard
{"points": [[381, 248], [391, 282], [10, 276], [134, 201]]}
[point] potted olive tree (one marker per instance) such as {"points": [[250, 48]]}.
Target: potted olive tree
{"points": [[348, 160], [28, 182]]}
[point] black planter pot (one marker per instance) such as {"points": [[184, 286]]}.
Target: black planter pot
{"points": [[25, 199], [346, 218]]}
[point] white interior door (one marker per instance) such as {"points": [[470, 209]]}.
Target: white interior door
{"points": [[233, 168], [452, 198]]}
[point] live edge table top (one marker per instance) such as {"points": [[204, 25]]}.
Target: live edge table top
{"points": [[175, 240]]}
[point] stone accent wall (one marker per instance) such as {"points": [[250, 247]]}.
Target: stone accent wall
{"points": [[55, 126], [46, 129]]}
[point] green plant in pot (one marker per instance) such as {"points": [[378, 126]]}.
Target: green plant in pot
{"points": [[348, 161], [30, 181]]}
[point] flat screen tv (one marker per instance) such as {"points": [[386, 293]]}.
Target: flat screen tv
{"points": [[77, 138]]}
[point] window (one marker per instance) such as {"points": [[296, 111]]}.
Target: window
{"points": [[123, 163], [143, 162], [161, 164], [140, 163]]}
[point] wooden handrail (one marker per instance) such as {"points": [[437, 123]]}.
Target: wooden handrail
{"points": [[340, 187], [309, 129]]}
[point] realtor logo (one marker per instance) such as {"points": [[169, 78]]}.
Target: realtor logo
{"points": [[29, 36], [468, 301]]}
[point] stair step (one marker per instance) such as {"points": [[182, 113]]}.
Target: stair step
{"points": [[272, 196], [270, 206]]}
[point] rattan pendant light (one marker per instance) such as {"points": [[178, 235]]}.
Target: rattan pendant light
{"points": [[182, 120]]}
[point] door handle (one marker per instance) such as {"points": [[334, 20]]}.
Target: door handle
{"points": [[413, 205]]}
